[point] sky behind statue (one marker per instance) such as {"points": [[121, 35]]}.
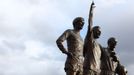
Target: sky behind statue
{"points": [[29, 28]]}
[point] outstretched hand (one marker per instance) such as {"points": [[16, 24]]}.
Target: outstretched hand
{"points": [[93, 3]]}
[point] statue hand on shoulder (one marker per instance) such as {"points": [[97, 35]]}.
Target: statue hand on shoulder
{"points": [[112, 54], [115, 59]]}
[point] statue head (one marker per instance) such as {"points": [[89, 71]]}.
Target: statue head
{"points": [[112, 42], [78, 23], [96, 32]]}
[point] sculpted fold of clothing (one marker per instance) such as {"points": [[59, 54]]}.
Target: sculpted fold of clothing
{"points": [[75, 47], [73, 73], [108, 66], [90, 72], [105, 72], [74, 64], [92, 58]]}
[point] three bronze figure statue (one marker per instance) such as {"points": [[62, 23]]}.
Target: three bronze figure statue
{"points": [[88, 57]]}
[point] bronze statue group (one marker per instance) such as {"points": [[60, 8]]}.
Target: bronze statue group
{"points": [[88, 57]]}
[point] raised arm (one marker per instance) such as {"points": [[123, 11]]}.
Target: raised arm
{"points": [[89, 36], [90, 19]]}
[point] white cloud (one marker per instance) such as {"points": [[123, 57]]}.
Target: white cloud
{"points": [[109, 3], [130, 69], [34, 48], [25, 27], [22, 65], [29, 28], [35, 59]]}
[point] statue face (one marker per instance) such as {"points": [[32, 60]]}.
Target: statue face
{"points": [[112, 43], [96, 33], [79, 25]]}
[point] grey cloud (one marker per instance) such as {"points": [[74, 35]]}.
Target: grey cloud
{"points": [[120, 25], [22, 23], [44, 21]]}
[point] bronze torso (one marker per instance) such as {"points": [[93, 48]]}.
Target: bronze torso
{"points": [[75, 46], [92, 57]]}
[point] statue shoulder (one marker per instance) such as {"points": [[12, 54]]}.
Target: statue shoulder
{"points": [[68, 30]]}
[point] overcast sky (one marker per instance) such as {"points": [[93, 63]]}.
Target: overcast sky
{"points": [[29, 29]]}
